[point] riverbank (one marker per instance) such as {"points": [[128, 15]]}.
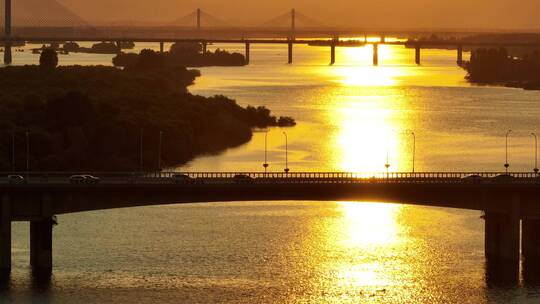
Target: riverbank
{"points": [[98, 118], [498, 67]]}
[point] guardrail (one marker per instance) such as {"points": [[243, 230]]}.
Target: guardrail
{"points": [[157, 177]]}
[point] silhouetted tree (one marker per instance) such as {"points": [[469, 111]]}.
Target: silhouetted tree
{"points": [[89, 118], [149, 59], [48, 59]]}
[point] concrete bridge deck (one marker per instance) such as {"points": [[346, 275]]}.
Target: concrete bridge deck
{"points": [[507, 200]]}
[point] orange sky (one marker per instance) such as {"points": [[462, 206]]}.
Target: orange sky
{"points": [[500, 14]]}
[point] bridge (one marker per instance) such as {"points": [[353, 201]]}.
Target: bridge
{"points": [[204, 28], [507, 200]]}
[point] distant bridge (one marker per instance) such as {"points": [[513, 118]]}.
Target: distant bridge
{"points": [[505, 199], [204, 28]]}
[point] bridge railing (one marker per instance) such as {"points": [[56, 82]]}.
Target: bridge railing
{"points": [[277, 177]]}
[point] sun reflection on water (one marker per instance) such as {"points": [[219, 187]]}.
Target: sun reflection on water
{"points": [[359, 70], [368, 224], [371, 122], [364, 233]]}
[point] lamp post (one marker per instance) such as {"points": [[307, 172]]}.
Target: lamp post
{"points": [[141, 150], [159, 149], [27, 153], [506, 164], [414, 149], [13, 151], [265, 165], [535, 153], [286, 153], [387, 165]]}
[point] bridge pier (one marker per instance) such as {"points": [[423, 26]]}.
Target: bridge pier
{"points": [[41, 244], [502, 241], [530, 239], [375, 54], [460, 55], [7, 53], [5, 235], [290, 53], [247, 53], [332, 53], [204, 47], [417, 55], [530, 249], [161, 47], [7, 32], [118, 47]]}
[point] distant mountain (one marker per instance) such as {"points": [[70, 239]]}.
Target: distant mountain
{"points": [[42, 13]]}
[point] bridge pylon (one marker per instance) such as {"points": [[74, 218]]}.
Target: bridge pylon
{"points": [[7, 32], [293, 24], [198, 19]]}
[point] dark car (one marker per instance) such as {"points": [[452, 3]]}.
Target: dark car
{"points": [[16, 179], [181, 179], [503, 178], [473, 178], [90, 179], [77, 179], [243, 179]]}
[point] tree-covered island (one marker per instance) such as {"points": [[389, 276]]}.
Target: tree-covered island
{"points": [[497, 66], [92, 117], [187, 54]]}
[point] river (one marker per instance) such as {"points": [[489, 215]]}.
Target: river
{"points": [[351, 116]]}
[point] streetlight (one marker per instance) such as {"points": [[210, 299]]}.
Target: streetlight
{"points": [[387, 165], [265, 165], [414, 149], [506, 164], [286, 153], [13, 151], [27, 153], [159, 149], [535, 153], [141, 150]]}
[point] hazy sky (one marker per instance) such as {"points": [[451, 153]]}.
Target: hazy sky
{"points": [[511, 14]]}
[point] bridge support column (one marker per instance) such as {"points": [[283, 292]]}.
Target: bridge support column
{"points": [[460, 55], [502, 244], [7, 32], [290, 53], [5, 235], [204, 47], [7, 53], [247, 53], [417, 55], [530, 249], [161, 47], [375, 54], [530, 239], [41, 244], [118, 47], [332, 53], [41, 238]]}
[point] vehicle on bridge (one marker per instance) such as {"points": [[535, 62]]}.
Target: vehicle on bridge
{"points": [[243, 179], [16, 179], [473, 178], [182, 179], [84, 179], [503, 178]]}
